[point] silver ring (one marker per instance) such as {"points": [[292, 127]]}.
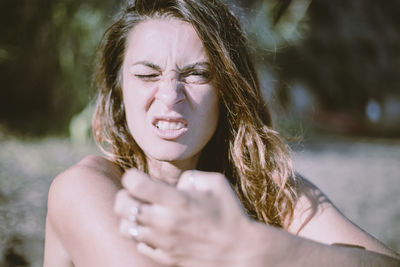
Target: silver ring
{"points": [[133, 232], [134, 211]]}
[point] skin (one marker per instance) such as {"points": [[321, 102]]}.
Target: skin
{"points": [[166, 74], [186, 217]]}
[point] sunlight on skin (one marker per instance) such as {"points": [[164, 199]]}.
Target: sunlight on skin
{"points": [[171, 105]]}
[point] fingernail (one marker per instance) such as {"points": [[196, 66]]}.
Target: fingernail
{"points": [[192, 182], [133, 232]]}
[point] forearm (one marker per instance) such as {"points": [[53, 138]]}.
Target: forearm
{"points": [[275, 247], [310, 253]]}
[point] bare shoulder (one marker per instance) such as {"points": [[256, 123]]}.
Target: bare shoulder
{"points": [[310, 203], [93, 177], [70, 192], [92, 167], [84, 173], [80, 216], [316, 217]]}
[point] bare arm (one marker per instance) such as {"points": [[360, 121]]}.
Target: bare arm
{"points": [[82, 228], [291, 250], [320, 235], [55, 253], [316, 218], [217, 232]]}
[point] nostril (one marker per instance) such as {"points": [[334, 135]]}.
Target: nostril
{"points": [[170, 92], [180, 101]]}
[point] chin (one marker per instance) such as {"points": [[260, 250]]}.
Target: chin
{"points": [[170, 153]]}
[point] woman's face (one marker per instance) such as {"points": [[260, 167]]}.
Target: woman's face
{"points": [[171, 105]]}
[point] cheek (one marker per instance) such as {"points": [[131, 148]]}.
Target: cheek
{"points": [[134, 111], [137, 98], [208, 108]]}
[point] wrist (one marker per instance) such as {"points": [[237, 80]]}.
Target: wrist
{"points": [[253, 246], [265, 245]]}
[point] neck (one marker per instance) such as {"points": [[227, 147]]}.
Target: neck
{"points": [[170, 171]]}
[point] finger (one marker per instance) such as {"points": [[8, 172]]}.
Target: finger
{"points": [[152, 238], [151, 215], [209, 182], [187, 181], [128, 228], [136, 232], [203, 181], [141, 186], [165, 221], [144, 234], [125, 206], [156, 254]]}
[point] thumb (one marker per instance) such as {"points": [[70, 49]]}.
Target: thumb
{"points": [[213, 182], [187, 181], [203, 181]]}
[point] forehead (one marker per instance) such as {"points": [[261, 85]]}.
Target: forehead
{"points": [[165, 39]]}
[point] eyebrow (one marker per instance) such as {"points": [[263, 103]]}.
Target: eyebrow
{"points": [[147, 64], [203, 64]]}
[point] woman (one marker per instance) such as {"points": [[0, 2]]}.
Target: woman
{"points": [[181, 119]]}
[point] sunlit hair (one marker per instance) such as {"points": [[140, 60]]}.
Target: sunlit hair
{"points": [[244, 147]]}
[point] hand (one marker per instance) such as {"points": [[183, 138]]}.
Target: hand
{"points": [[198, 223]]}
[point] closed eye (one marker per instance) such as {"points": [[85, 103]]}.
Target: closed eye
{"points": [[196, 76], [148, 77]]}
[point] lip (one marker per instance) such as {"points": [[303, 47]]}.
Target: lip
{"points": [[169, 134]]}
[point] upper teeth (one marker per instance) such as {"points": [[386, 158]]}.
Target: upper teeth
{"points": [[168, 125]]}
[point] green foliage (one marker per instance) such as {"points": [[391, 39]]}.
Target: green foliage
{"points": [[275, 25], [76, 49], [344, 52], [47, 51]]}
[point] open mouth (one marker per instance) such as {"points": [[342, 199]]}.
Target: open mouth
{"points": [[170, 128], [169, 125]]}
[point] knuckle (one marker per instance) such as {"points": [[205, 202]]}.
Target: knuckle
{"points": [[169, 247], [136, 185], [169, 228], [131, 181]]}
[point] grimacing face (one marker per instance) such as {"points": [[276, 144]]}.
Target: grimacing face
{"points": [[170, 103]]}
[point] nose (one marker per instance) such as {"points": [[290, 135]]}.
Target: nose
{"points": [[170, 91]]}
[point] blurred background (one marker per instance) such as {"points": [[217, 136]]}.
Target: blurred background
{"points": [[329, 70]]}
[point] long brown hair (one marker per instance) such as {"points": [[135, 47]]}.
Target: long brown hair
{"points": [[244, 147]]}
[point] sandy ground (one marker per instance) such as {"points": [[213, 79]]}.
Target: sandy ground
{"points": [[361, 176]]}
